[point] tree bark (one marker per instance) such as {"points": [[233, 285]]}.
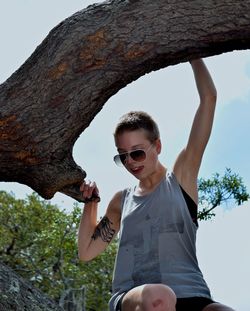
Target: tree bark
{"points": [[17, 294], [49, 101]]}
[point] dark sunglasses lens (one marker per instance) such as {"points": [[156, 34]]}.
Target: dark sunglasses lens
{"points": [[120, 159], [138, 155], [123, 157]]}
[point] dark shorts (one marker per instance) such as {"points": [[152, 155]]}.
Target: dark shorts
{"points": [[183, 304], [118, 302], [192, 303]]}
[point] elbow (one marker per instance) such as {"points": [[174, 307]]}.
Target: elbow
{"points": [[212, 95], [208, 95], [84, 257], [210, 99]]}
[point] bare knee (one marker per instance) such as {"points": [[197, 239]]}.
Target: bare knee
{"points": [[158, 297], [149, 297]]}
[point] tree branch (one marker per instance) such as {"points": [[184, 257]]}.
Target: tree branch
{"points": [[47, 103]]}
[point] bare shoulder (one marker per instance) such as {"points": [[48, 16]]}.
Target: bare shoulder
{"points": [[179, 166], [186, 175], [114, 208]]}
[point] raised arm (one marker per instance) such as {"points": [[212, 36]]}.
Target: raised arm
{"points": [[189, 160], [94, 236], [203, 121]]}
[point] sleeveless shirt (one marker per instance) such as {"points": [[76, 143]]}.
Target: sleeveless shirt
{"points": [[157, 243]]}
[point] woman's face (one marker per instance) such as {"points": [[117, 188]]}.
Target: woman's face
{"points": [[134, 140]]}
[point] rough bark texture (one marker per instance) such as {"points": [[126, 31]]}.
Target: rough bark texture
{"points": [[53, 97], [16, 294]]}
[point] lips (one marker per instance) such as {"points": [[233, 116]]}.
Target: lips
{"points": [[136, 170]]}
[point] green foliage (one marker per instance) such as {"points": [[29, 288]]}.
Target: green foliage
{"points": [[99, 279], [218, 190], [39, 241]]}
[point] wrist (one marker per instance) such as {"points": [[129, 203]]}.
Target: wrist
{"points": [[93, 199], [90, 204]]}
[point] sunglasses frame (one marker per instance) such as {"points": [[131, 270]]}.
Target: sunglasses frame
{"points": [[117, 157]]}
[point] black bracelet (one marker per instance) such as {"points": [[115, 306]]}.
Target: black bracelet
{"points": [[94, 197]]}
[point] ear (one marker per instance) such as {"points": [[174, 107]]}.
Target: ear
{"points": [[158, 145]]}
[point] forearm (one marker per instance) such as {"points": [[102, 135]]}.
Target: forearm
{"points": [[87, 227], [204, 82]]}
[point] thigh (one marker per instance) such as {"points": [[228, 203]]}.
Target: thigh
{"points": [[217, 307], [148, 296]]}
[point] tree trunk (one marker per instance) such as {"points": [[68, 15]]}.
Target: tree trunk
{"points": [[17, 294], [56, 93]]}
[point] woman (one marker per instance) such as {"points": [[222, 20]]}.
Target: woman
{"points": [[156, 267]]}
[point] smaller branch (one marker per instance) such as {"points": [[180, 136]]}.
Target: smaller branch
{"points": [[73, 191], [10, 247], [32, 262]]}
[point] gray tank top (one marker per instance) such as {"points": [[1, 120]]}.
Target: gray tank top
{"points": [[157, 243]]}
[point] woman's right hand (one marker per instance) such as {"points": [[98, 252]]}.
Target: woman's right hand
{"points": [[90, 192]]}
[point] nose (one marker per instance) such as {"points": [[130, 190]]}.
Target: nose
{"points": [[128, 159]]}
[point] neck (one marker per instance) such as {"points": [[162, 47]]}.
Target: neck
{"points": [[149, 183]]}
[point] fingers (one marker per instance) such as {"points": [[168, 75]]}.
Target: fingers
{"points": [[90, 191]]}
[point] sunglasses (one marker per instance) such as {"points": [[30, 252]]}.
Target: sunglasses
{"points": [[137, 155]]}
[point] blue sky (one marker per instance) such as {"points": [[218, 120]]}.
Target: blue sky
{"points": [[170, 96]]}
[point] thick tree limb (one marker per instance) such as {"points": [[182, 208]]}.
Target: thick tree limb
{"points": [[53, 97], [18, 294]]}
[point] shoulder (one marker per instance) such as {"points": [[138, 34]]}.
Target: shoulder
{"points": [[185, 168], [117, 197], [114, 207], [186, 175]]}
